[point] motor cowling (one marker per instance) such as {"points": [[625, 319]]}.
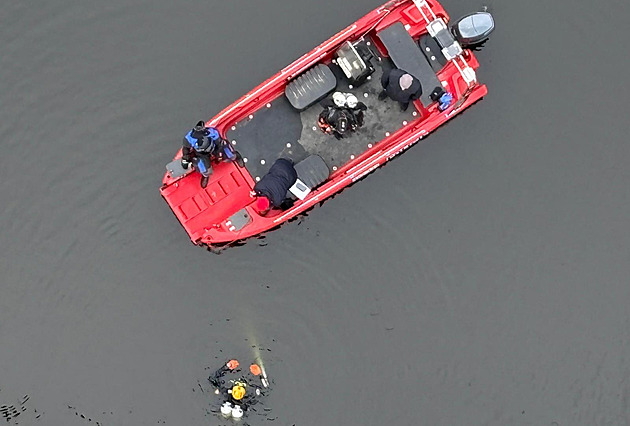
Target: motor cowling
{"points": [[473, 29]]}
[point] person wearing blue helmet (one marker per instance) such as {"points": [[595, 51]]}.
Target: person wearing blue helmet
{"points": [[204, 145]]}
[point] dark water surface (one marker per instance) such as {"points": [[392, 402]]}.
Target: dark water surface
{"points": [[482, 278]]}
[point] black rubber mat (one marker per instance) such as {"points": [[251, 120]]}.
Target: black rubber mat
{"points": [[271, 134]]}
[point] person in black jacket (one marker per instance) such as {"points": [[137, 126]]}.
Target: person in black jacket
{"points": [[201, 146], [272, 188], [400, 86]]}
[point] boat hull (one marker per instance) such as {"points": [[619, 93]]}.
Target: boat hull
{"points": [[223, 212]]}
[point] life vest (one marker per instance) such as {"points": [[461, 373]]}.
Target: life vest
{"points": [[202, 145]]}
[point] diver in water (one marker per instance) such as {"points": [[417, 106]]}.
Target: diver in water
{"points": [[202, 146], [240, 391], [342, 115]]}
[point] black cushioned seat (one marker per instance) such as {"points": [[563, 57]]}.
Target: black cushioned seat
{"points": [[310, 87], [433, 52], [312, 171]]}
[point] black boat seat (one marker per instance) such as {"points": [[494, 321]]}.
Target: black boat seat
{"points": [[310, 87], [311, 172], [433, 52], [406, 55]]}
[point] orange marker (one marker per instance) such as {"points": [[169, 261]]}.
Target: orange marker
{"points": [[255, 369]]}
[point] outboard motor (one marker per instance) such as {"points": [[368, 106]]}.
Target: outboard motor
{"points": [[473, 29]]}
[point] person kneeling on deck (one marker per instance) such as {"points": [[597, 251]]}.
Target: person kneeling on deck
{"points": [[342, 114], [202, 146], [272, 189], [400, 86]]}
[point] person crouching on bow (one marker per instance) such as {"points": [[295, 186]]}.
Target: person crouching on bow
{"points": [[204, 145]]}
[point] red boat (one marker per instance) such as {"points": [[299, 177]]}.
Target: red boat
{"points": [[278, 119]]}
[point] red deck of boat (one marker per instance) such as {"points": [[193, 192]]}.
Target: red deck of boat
{"points": [[196, 208]]}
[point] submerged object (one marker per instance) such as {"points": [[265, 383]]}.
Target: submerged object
{"points": [[278, 118]]}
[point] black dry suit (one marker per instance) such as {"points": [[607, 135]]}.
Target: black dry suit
{"points": [[199, 148], [390, 82], [275, 184]]}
